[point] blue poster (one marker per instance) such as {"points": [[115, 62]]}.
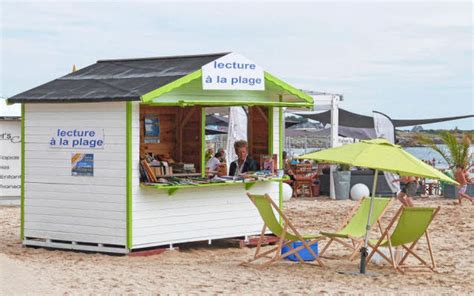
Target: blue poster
{"points": [[82, 164], [152, 129]]}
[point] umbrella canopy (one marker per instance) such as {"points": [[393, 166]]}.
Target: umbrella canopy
{"points": [[381, 155]]}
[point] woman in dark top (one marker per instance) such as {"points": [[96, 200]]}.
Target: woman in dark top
{"points": [[243, 163]]}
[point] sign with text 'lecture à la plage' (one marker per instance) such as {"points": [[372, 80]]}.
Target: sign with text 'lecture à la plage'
{"points": [[77, 138], [232, 72]]}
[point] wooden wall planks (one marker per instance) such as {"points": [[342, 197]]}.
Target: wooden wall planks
{"points": [[59, 206]]}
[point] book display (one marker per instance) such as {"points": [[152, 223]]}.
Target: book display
{"points": [[174, 160]]}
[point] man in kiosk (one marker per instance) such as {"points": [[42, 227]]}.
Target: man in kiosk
{"points": [[243, 163]]}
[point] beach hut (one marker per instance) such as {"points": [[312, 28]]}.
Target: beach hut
{"points": [[86, 133]]}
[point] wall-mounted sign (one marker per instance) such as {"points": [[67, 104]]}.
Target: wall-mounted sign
{"points": [[232, 72], [77, 138], [82, 164], [10, 160]]}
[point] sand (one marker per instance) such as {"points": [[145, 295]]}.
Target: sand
{"points": [[201, 269]]}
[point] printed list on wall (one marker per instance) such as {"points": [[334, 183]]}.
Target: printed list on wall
{"points": [[10, 164]]}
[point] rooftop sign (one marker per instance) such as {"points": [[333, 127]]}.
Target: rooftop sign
{"points": [[232, 72]]}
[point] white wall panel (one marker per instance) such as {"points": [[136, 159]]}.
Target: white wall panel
{"points": [[59, 206], [196, 214]]}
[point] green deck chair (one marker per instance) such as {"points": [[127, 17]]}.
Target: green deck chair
{"points": [[266, 206], [354, 226], [411, 226]]}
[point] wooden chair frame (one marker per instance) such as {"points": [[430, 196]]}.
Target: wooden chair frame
{"points": [[282, 242], [356, 242], [400, 265]]}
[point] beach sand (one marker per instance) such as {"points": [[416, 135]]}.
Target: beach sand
{"points": [[201, 269]]}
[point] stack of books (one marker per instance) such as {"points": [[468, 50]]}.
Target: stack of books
{"points": [[183, 168]]}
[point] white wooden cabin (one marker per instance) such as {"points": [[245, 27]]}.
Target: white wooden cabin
{"points": [[86, 194]]}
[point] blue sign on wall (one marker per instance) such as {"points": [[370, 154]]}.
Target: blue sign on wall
{"points": [[82, 164]]}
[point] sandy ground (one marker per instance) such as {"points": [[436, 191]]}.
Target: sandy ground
{"points": [[201, 269]]}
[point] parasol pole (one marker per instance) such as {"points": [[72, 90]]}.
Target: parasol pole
{"points": [[363, 250]]}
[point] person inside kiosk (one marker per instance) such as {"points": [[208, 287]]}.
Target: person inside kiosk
{"points": [[243, 163]]}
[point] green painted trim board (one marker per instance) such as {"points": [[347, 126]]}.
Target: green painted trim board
{"points": [[189, 103], [171, 189], [280, 155], [129, 173], [203, 142], [270, 130], [171, 86], [22, 221], [298, 93], [306, 100]]}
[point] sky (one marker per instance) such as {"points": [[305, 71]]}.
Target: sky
{"points": [[405, 59]]}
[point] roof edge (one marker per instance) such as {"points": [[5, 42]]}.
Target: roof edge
{"points": [[171, 86], [164, 57], [148, 97], [56, 101], [294, 91]]}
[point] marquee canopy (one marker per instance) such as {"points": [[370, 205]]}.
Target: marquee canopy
{"points": [[354, 120]]}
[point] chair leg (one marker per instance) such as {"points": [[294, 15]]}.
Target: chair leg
{"points": [[265, 254], [430, 250], [418, 257], [407, 253], [308, 247], [296, 254], [281, 242], [262, 236], [392, 258], [326, 247], [356, 250], [347, 245], [374, 249], [351, 247]]}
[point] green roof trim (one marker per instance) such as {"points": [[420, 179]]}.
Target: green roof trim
{"points": [[289, 88], [171, 86], [188, 103], [149, 98]]}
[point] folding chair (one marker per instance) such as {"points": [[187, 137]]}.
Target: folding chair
{"points": [[412, 224], [354, 226], [266, 206]]}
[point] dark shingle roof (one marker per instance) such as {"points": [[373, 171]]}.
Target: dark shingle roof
{"points": [[115, 80]]}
